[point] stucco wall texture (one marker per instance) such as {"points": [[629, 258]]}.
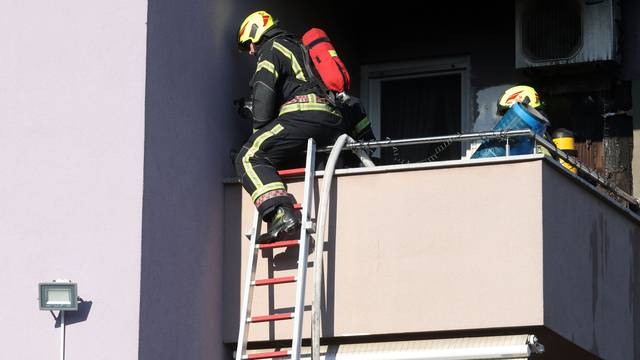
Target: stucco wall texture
{"points": [[406, 251], [527, 242], [591, 268], [71, 149]]}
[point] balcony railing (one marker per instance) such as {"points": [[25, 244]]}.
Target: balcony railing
{"points": [[589, 174]]}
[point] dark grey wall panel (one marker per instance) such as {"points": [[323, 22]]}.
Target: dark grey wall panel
{"points": [[591, 264]]}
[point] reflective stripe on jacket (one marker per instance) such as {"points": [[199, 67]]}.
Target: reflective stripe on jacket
{"points": [[280, 76]]}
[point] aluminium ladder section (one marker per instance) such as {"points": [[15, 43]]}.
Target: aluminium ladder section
{"points": [[303, 248]]}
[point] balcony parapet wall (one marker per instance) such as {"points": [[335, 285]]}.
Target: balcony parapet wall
{"points": [[457, 246]]}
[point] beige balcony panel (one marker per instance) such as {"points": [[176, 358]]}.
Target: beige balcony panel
{"points": [[409, 251], [459, 246]]}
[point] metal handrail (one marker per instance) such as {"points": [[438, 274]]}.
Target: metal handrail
{"points": [[487, 135], [503, 134], [632, 200]]}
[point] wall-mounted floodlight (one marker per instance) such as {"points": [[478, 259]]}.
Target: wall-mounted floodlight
{"points": [[58, 295]]}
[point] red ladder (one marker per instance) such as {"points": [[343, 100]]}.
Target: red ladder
{"points": [[303, 249]]}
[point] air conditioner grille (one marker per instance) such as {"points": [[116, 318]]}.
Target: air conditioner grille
{"points": [[551, 30]]}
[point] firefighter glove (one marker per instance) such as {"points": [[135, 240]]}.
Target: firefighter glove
{"points": [[244, 106]]}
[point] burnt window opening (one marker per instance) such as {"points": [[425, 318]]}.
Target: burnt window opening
{"points": [[420, 107], [415, 99]]}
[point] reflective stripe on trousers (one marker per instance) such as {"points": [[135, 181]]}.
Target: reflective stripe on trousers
{"points": [[250, 171]]}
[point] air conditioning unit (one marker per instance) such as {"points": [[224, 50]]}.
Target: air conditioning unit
{"points": [[558, 32]]}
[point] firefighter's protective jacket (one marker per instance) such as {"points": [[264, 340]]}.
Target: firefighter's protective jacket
{"points": [[281, 75]]}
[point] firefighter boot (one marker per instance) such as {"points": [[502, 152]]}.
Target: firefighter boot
{"points": [[286, 221]]}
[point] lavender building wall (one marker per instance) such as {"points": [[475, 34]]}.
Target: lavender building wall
{"points": [[190, 128], [72, 77]]}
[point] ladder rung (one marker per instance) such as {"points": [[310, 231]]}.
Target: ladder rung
{"points": [[297, 206], [274, 317], [267, 355], [278, 244], [291, 172], [280, 280]]}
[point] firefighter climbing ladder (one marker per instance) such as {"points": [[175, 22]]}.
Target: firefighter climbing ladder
{"points": [[246, 319]]}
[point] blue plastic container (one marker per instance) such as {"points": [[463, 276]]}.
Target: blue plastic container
{"points": [[517, 118]]}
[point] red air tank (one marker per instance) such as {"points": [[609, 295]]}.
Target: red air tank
{"points": [[326, 61]]}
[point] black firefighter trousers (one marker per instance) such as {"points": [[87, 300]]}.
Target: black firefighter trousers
{"points": [[281, 145]]}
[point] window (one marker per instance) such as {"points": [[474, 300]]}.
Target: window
{"points": [[417, 99]]}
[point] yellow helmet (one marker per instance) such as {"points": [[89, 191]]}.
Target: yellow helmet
{"points": [[518, 94], [253, 27]]}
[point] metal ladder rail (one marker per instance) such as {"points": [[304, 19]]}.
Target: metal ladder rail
{"points": [[247, 297], [306, 229], [250, 283]]}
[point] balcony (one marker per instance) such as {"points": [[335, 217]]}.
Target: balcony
{"points": [[504, 243]]}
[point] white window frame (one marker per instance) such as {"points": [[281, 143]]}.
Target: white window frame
{"points": [[372, 77]]}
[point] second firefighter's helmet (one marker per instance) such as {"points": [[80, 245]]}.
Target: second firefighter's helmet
{"points": [[518, 94], [253, 28]]}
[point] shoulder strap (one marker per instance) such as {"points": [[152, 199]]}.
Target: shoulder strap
{"points": [[313, 75]]}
